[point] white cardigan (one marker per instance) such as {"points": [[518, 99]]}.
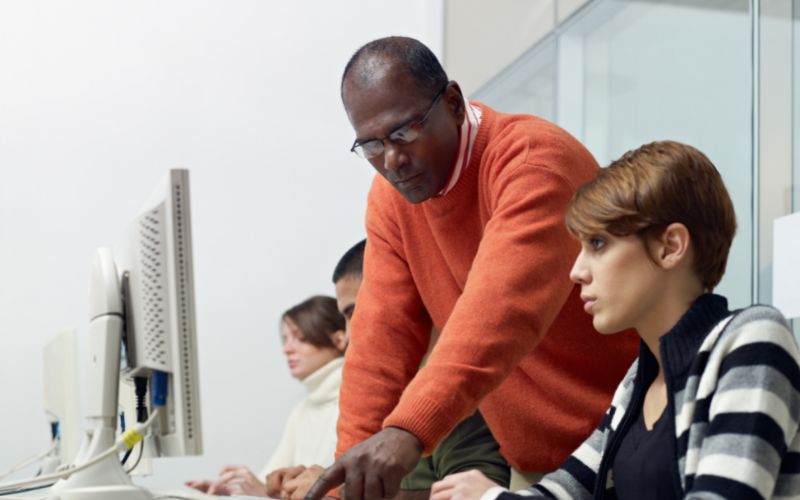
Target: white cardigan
{"points": [[310, 433]]}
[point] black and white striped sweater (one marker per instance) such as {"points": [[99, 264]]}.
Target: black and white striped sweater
{"points": [[734, 395]]}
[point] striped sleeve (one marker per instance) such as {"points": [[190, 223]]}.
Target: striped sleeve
{"points": [[750, 447]]}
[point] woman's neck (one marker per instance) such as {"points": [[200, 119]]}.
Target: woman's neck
{"points": [[671, 308]]}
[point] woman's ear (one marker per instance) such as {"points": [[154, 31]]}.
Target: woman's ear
{"points": [[673, 246], [339, 339]]}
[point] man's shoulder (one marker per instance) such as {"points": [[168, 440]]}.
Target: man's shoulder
{"points": [[514, 139], [515, 126]]}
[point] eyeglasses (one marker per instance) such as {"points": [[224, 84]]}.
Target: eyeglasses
{"points": [[402, 135]]}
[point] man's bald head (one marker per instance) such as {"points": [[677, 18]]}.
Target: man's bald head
{"points": [[374, 63], [398, 99]]}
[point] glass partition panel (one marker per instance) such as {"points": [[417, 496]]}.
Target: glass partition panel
{"points": [[528, 86], [669, 70], [796, 107], [621, 73], [568, 7], [796, 121]]}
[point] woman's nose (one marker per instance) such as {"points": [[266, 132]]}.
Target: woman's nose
{"points": [[579, 273]]}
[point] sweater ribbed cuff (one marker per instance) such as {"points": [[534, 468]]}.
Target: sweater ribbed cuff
{"points": [[423, 418]]}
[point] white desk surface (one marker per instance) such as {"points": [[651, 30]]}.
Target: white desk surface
{"points": [[158, 494]]}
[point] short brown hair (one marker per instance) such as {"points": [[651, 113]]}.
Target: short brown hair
{"points": [[656, 185], [318, 319]]}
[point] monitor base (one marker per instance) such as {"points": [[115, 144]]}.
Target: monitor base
{"points": [[102, 493], [104, 480]]}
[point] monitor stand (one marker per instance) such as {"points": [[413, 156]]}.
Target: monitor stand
{"points": [[106, 479]]}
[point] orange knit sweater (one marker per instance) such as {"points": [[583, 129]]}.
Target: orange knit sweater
{"points": [[487, 265]]}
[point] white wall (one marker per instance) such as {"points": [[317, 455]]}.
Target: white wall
{"points": [[98, 99], [482, 38]]}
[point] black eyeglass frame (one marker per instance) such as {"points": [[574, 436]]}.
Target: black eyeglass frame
{"points": [[413, 124]]}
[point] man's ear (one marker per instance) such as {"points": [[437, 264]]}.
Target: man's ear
{"points": [[339, 339], [672, 246], [455, 101]]}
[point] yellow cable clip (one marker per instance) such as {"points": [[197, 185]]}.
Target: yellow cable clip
{"points": [[130, 438]]}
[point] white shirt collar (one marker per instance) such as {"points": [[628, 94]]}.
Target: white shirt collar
{"points": [[469, 130]]}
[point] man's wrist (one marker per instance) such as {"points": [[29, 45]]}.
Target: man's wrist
{"points": [[406, 436]]}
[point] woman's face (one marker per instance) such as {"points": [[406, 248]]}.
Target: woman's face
{"points": [[620, 283], [304, 358]]}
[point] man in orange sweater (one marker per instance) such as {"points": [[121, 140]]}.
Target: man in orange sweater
{"points": [[465, 233]]}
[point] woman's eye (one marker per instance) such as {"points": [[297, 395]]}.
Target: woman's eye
{"points": [[597, 243]]}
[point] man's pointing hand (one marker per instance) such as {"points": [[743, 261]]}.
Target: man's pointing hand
{"points": [[372, 469]]}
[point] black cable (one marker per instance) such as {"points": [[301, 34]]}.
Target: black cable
{"points": [[141, 414], [24, 490], [141, 393], [139, 458], [125, 457]]}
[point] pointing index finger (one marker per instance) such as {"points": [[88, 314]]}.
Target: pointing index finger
{"points": [[332, 477]]}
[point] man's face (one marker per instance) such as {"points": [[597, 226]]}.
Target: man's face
{"points": [[346, 292], [420, 169]]}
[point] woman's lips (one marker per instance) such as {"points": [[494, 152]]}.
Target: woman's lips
{"points": [[588, 303]]}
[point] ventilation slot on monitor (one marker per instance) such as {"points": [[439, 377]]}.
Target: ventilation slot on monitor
{"points": [[153, 284]]}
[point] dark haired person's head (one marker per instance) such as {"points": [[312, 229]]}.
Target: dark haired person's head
{"points": [[351, 264], [654, 225], [405, 113], [419, 62], [313, 334], [347, 280]]}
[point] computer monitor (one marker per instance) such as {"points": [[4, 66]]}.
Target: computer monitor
{"points": [[142, 326], [160, 311], [61, 397]]}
